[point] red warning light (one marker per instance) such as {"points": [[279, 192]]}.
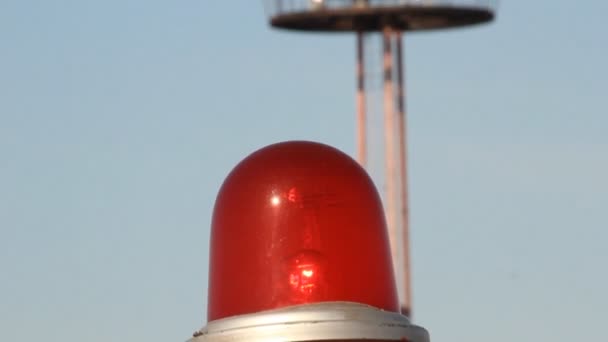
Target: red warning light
{"points": [[295, 223]]}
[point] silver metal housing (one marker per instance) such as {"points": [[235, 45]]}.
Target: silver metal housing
{"points": [[314, 322]]}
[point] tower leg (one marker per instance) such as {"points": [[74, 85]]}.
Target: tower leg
{"points": [[406, 301], [389, 136], [361, 103]]}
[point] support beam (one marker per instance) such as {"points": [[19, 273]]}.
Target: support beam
{"points": [[406, 301], [361, 103], [389, 138]]}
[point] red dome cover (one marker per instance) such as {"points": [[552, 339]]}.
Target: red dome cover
{"points": [[298, 222]]}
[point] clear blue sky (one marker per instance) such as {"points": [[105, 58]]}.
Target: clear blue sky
{"points": [[120, 119]]}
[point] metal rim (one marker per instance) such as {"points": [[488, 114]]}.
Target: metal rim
{"points": [[314, 322]]}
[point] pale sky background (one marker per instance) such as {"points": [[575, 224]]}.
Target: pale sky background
{"points": [[120, 119]]}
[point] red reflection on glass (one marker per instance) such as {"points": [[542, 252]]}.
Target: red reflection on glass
{"points": [[294, 223]]}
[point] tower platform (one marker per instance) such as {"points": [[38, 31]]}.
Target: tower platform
{"points": [[365, 16]]}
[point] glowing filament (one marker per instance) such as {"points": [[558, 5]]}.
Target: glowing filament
{"points": [[275, 200]]}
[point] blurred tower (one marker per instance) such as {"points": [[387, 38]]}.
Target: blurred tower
{"points": [[379, 25]]}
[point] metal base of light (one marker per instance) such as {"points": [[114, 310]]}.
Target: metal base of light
{"points": [[314, 322], [402, 18]]}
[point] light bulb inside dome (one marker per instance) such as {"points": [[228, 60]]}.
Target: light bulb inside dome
{"points": [[301, 279]]}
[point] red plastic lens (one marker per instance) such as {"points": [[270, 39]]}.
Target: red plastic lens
{"points": [[298, 222]]}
